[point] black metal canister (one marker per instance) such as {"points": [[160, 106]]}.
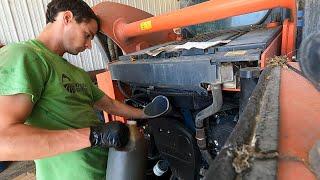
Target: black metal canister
{"points": [[128, 163]]}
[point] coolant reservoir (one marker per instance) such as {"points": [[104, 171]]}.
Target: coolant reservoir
{"points": [[128, 163]]}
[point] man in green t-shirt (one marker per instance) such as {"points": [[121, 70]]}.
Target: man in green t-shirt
{"points": [[46, 104]]}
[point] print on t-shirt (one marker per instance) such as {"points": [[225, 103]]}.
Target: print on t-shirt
{"points": [[71, 86]]}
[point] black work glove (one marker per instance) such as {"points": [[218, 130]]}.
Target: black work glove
{"points": [[112, 134]]}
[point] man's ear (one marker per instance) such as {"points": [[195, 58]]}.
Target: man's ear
{"points": [[67, 17]]}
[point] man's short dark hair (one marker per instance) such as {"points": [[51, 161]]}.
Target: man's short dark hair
{"points": [[80, 9]]}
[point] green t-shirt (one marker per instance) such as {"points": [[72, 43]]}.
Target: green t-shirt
{"points": [[63, 97]]}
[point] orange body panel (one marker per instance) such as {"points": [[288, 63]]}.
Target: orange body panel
{"points": [[288, 39], [285, 33], [106, 84], [291, 51], [272, 50], [299, 125], [231, 89], [272, 24]]}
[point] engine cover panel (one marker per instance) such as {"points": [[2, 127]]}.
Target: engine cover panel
{"points": [[177, 145]]}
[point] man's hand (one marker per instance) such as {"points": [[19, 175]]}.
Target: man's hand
{"points": [[112, 134]]}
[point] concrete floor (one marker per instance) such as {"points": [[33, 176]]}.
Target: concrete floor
{"points": [[22, 170]]}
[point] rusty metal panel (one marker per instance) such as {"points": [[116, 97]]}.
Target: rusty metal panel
{"points": [[21, 20]]}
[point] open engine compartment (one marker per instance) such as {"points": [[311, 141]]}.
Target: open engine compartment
{"points": [[207, 89]]}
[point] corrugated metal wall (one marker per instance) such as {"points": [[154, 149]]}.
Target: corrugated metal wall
{"points": [[24, 19]]}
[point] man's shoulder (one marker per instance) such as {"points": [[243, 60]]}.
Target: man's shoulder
{"points": [[21, 47], [19, 52]]}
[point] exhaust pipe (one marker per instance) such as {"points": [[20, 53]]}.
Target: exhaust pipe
{"points": [[202, 115]]}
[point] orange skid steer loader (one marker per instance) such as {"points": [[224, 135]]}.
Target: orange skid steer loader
{"points": [[240, 106]]}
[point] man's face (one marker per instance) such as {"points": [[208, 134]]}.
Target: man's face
{"points": [[77, 37]]}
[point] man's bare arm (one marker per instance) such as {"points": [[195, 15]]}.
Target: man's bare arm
{"points": [[23, 142], [118, 108]]}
